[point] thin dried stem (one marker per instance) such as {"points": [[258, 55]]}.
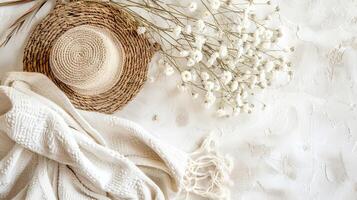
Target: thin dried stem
{"points": [[27, 16]]}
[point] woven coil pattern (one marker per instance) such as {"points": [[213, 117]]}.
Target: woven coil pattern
{"points": [[137, 49], [78, 55], [87, 58]]}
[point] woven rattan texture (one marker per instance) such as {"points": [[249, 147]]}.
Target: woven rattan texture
{"points": [[138, 51]]}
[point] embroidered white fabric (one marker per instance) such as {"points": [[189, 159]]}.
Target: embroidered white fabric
{"points": [[50, 150]]}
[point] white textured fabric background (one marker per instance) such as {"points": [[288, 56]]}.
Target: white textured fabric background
{"points": [[303, 144]]}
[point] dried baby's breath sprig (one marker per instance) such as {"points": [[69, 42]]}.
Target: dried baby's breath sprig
{"points": [[222, 50]]}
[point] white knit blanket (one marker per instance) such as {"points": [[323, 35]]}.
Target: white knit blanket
{"points": [[50, 150]]}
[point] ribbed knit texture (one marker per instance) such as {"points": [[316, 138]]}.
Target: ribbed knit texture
{"points": [[49, 150]]}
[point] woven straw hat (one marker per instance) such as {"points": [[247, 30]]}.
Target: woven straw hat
{"points": [[92, 52]]}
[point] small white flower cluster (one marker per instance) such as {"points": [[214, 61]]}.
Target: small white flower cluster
{"points": [[141, 30], [222, 50]]}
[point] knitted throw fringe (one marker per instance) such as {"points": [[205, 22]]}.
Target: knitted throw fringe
{"points": [[207, 174]]}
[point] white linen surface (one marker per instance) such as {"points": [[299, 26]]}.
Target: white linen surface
{"points": [[303, 144]]}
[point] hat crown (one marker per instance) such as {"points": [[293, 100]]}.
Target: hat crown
{"points": [[87, 58]]}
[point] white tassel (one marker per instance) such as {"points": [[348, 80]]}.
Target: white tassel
{"points": [[208, 172]]}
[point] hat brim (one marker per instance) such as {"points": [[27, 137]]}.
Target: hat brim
{"points": [[138, 51]]}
